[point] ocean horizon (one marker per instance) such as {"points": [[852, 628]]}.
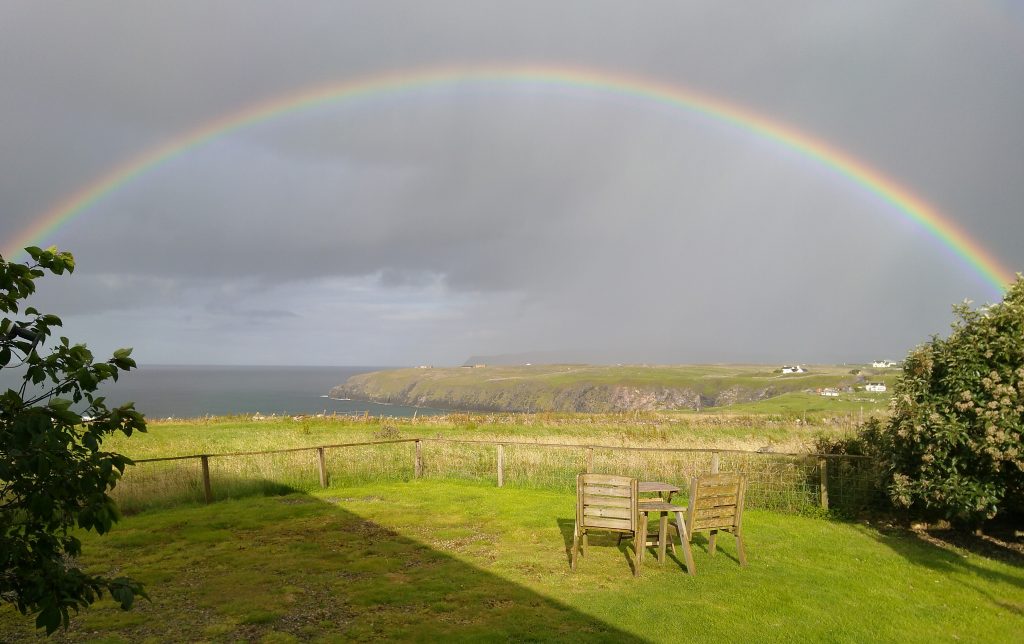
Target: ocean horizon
{"points": [[191, 391]]}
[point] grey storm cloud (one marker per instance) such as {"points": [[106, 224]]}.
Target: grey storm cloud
{"points": [[428, 226]]}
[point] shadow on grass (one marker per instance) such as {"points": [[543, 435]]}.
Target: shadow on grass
{"points": [[190, 491], [598, 539], [699, 542], [930, 551], [1001, 541], [699, 545], [295, 565]]}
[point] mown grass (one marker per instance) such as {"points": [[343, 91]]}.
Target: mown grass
{"points": [[436, 560]]}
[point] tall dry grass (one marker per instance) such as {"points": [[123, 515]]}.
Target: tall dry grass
{"points": [[776, 481]]}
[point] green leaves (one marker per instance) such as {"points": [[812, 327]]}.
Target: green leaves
{"points": [[53, 475], [954, 446], [122, 359]]}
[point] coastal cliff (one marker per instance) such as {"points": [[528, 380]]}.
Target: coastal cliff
{"points": [[578, 388]]}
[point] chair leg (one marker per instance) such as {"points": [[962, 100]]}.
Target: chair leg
{"points": [[643, 524], [586, 542], [639, 545], [662, 536], [685, 539], [711, 541], [575, 545], [740, 550]]}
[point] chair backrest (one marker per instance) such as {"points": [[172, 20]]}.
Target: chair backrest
{"points": [[716, 502], [606, 502]]}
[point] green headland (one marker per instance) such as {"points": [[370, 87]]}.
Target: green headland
{"points": [[600, 389]]}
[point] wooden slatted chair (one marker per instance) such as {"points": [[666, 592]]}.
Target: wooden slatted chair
{"points": [[608, 503], [716, 503]]}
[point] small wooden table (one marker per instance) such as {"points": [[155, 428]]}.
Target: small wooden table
{"points": [[659, 487], [660, 504]]}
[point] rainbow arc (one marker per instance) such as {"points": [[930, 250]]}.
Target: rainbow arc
{"points": [[901, 200]]}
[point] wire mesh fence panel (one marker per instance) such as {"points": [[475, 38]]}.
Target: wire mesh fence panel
{"points": [[369, 463], [776, 482], [533, 466], [853, 485], [464, 461], [161, 483], [667, 466]]}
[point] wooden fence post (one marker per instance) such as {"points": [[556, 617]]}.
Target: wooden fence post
{"points": [[322, 462], [590, 460], [417, 461], [501, 465], [713, 536], [823, 486], [207, 489]]}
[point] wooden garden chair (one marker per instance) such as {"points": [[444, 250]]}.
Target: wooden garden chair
{"points": [[716, 503], [607, 503]]}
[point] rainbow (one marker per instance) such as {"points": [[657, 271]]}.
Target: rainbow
{"points": [[901, 199]]}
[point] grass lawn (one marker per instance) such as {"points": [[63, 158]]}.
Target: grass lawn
{"points": [[427, 560]]}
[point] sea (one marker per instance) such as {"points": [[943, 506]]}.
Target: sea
{"points": [[191, 391]]}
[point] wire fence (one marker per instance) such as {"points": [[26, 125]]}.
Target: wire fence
{"points": [[783, 482]]}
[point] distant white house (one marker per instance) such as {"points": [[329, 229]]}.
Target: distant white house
{"points": [[425, 366], [883, 364], [875, 386], [794, 369], [830, 393]]}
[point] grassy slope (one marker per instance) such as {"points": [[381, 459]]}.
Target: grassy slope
{"points": [[428, 560], [537, 386]]}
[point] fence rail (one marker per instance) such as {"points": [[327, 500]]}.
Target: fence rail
{"points": [[784, 481]]}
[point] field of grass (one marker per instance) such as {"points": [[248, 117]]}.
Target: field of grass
{"points": [[799, 403], [433, 560], [786, 431]]}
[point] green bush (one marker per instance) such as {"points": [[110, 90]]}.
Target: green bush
{"points": [[953, 445], [54, 472]]}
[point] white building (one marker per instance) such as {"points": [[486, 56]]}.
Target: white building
{"points": [[795, 369], [883, 364], [830, 393], [878, 387]]}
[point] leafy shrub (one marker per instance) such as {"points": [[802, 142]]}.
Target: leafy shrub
{"points": [[54, 474], [868, 441], [953, 446]]}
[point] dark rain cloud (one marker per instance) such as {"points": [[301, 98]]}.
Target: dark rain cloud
{"points": [[431, 226]]}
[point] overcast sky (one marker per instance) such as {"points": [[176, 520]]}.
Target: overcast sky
{"points": [[430, 226]]}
